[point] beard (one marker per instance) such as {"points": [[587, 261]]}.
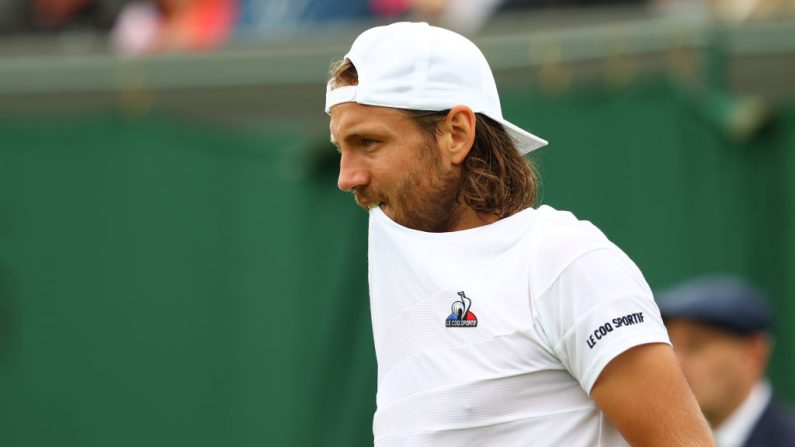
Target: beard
{"points": [[426, 199]]}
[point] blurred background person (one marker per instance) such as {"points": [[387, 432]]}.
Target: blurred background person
{"points": [[55, 16], [174, 25], [719, 326]]}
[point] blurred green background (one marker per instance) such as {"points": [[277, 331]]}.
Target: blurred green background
{"points": [[178, 268]]}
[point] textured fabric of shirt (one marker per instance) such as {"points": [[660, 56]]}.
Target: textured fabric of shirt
{"points": [[495, 335]]}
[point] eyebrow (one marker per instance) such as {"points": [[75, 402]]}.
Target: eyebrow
{"points": [[353, 136]]}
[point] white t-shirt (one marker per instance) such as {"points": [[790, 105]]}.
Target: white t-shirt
{"points": [[495, 335]]}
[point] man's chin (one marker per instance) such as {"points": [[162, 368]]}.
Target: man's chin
{"points": [[368, 205]]}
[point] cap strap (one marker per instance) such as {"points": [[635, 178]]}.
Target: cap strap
{"points": [[339, 95]]}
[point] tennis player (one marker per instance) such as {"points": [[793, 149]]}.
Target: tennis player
{"points": [[495, 323]]}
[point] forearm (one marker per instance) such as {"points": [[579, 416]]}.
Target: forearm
{"points": [[645, 395]]}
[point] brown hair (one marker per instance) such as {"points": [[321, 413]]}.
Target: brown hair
{"points": [[497, 180]]}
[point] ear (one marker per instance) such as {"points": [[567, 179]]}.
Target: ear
{"points": [[457, 134], [762, 345]]}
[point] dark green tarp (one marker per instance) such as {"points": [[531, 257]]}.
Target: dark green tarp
{"points": [[175, 283]]}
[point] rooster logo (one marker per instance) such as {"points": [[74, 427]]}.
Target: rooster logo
{"points": [[461, 316]]}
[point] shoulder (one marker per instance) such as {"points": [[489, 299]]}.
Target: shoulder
{"points": [[562, 234], [587, 297], [558, 239]]}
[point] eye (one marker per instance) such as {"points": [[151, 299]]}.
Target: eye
{"points": [[369, 142]]}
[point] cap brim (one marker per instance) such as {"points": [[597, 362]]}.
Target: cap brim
{"points": [[525, 141]]}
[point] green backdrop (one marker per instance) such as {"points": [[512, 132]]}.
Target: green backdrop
{"points": [[170, 282]]}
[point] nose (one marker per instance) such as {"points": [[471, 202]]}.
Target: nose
{"points": [[352, 173]]}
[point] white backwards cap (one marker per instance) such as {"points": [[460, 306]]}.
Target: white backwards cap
{"points": [[416, 66]]}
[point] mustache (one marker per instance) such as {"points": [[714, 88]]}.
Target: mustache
{"points": [[366, 197]]}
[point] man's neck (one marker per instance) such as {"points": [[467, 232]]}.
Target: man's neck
{"points": [[469, 218], [716, 419], [735, 428]]}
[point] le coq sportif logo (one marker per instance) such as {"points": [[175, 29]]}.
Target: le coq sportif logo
{"points": [[461, 316]]}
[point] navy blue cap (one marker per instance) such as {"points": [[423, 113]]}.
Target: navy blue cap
{"points": [[723, 301]]}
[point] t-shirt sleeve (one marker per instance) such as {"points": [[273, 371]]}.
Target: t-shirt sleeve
{"points": [[597, 308]]}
